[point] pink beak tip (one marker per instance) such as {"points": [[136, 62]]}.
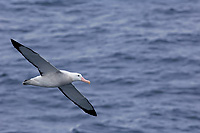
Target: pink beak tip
{"points": [[84, 80]]}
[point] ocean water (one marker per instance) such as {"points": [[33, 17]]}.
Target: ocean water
{"points": [[141, 56]]}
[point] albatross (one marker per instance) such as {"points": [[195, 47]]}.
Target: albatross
{"points": [[50, 76]]}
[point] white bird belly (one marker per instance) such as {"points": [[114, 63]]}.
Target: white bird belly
{"points": [[50, 80]]}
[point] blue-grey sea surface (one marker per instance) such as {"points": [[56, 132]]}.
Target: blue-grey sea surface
{"points": [[141, 56]]}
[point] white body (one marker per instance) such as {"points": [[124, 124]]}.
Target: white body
{"points": [[56, 79]]}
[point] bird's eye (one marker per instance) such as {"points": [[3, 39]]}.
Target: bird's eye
{"points": [[78, 75]]}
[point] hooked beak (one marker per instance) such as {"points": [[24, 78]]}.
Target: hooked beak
{"points": [[84, 80]]}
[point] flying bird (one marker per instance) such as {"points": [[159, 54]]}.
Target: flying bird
{"points": [[50, 76]]}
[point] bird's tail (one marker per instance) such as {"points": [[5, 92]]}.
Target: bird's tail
{"points": [[26, 82]]}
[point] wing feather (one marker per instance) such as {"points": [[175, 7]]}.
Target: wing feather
{"points": [[34, 58], [77, 98]]}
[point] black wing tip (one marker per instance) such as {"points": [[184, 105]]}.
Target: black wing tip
{"points": [[91, 112], [16, 44]]}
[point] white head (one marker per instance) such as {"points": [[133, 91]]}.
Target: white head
{"points": [[78, 77]]}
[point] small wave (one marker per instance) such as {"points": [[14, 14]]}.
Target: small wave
{"points": [[121, 55], [120, 80], [172, 59], [104, 127], [185, 37], [48, 3], [146, 25], [160, 41], [3, 75], [150, 93], [172, 11]]}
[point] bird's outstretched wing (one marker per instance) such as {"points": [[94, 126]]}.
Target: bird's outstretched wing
{"points": [[77, 98], [34, 58]]}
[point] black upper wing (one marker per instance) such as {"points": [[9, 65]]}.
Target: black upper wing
{"points": [[34, 58], [75, 96]]}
